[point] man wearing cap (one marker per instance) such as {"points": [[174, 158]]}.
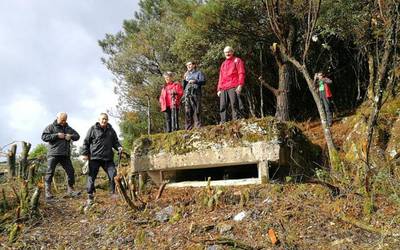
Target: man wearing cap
{"points": [[192, 82], [230, 84]]}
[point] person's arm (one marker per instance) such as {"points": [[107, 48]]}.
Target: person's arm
{"points": [[116, 144], [74, 135], [201, 79], [241, 71], [179, 89], [327, 80], [86, 143], [220, 78], [49, 135]]}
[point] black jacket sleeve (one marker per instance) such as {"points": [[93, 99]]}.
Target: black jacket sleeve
{"points": [[116, 143], [86, 143], [74, 135], [49, 134]]}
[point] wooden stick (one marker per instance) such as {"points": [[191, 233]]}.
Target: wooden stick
{"points": [[26, 146], [11, 161], [362, 225], [123, 193], [161, 189]]}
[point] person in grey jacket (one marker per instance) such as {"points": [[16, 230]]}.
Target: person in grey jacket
{"points": [[192, 82], [59, 135], [98, 147]]}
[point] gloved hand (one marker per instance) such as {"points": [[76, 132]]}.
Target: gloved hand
{"points": [[192, 81], [120, 150], [218, 93]]}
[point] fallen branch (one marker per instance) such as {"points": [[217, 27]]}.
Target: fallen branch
{"points": [[161, 189], [121, 189], [364, 226]]}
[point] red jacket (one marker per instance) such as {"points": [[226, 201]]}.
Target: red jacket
{"points": [[231, 74], [166, 95]]}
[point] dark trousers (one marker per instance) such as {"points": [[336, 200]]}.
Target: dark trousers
{"points": [[171, 119], [327, 107], [192, 110], [229, 97], [94, 166], [65, 162]]}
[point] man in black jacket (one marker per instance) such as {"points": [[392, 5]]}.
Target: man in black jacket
{"points": [[59, 135], [98, 147]]}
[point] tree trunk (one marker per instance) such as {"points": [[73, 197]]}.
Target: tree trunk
{"points": [[332, 151], [282, 101], [379, 85], [11, 161], [26, 146]]}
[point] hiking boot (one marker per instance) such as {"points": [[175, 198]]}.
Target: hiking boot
{"points": [[88, 204], [71, 192], [47, 191]]}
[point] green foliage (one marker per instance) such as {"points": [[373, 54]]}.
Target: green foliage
{"points": [[39, 152]]}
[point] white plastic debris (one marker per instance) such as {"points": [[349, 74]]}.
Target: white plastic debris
{"points": [[240, 216]]}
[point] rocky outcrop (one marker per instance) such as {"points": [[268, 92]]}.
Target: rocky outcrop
{"points": [[385, 145]]}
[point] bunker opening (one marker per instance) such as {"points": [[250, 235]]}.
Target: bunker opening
{"points": [[277, 172], [217, 173]]}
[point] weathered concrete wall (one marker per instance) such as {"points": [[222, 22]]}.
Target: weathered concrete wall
{"points": [[257, 141]]}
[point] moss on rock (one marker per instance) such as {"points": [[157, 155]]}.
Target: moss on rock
{"points": [[234, 133], [386, 135]]}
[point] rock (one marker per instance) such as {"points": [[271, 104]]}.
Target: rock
{"points": [[164, 214], [224, 228], [213, 247], [240, 216]]}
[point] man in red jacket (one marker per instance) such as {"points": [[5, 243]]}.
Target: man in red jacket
{"points": [[230, 84]]}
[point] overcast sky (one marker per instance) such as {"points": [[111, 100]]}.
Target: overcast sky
{"points": [[50, 62]]}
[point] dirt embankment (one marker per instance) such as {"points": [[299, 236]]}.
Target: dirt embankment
{"points": [[302, 216]]}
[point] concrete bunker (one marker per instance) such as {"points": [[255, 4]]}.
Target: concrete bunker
{"points": [[239, 152]]}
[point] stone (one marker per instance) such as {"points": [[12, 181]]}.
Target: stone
{"points": [[224, 228], [164, 214]]}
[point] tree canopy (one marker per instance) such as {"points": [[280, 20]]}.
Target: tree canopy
{"points": [[346, 41]]}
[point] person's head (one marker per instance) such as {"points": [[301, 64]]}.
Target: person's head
{"points": [[62, 118], [168, 76], [190, 65], [228, 52], [320, 75], [103, 120]]}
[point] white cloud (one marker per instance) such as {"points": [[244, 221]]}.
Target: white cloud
{"points": [[22, 115], [51, 62], [99, 95]]}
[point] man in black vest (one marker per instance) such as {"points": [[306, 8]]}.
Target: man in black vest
{"points": [[59, 135]]}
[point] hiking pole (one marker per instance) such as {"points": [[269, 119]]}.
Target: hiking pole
{"points": [[173, 112]]}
